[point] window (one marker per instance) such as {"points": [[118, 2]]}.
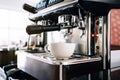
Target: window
{"points": [[13, 27]]}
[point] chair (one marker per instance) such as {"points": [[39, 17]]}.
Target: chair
{"points": [[13, 73]]}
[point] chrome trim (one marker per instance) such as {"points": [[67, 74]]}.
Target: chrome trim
{"points": [[115, 69], [61, 73], [78, 61], [89, 35], [103, 44], [106, 42], [89, 76], [109, 73], [108, 49]]}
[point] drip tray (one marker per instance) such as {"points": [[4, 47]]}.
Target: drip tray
{"points": [[75, 59]]}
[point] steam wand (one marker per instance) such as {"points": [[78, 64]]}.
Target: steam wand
{"points": [[81, 24]]}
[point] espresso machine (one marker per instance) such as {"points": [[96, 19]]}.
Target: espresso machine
{"points": [[84, 22]]}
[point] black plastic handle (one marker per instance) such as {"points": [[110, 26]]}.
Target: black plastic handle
{"points": [[29, 8], [36, 29]]}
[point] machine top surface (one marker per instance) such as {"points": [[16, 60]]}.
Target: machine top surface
{"points": [[99, 7], [105, 1]]}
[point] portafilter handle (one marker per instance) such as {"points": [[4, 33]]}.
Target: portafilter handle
{"points": [[36, 29]]}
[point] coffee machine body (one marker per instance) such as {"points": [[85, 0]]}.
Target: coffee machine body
{"points": [[67, 21], [83, 22]]}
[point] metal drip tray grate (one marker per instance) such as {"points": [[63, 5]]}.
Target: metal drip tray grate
{"points": [[72, 60]]}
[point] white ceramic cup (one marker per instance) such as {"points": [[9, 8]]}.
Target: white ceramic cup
{"points": [[60, 50]]}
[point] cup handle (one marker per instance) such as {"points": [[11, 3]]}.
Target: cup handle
{"points": [[46, 49]]}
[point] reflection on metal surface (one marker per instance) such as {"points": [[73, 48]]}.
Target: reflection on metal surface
{"points": [[47, 58]]}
